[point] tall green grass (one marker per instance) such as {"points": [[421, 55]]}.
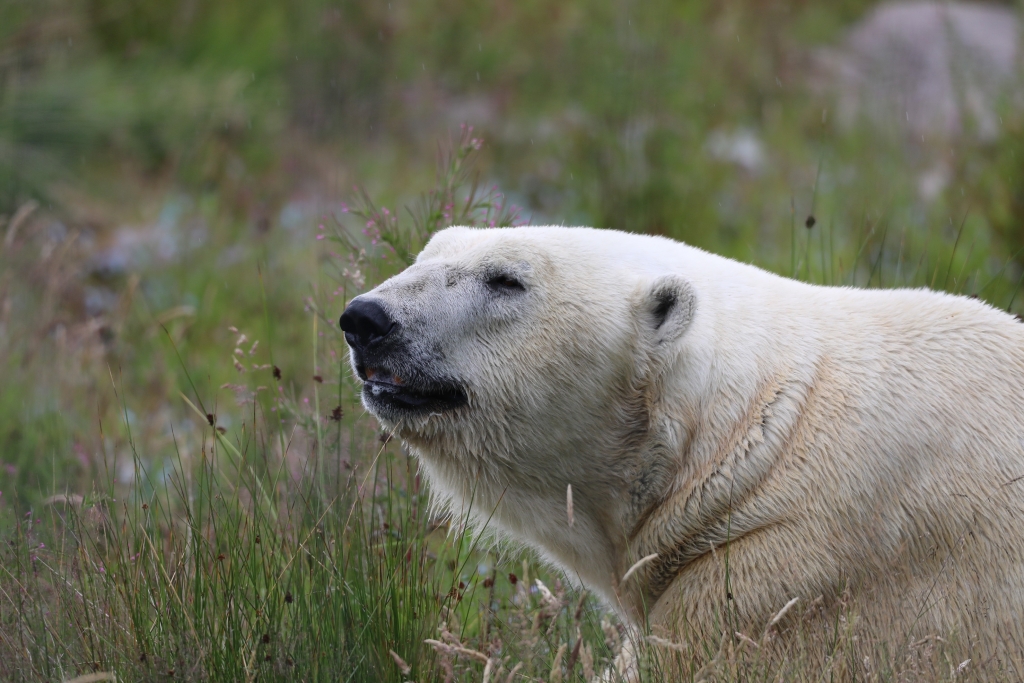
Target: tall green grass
{"points": [[137, 537], [274, 533], [243, 561], [297, 545], [598, 112]]}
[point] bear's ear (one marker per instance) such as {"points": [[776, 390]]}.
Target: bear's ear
{"points": [[667, 308]]}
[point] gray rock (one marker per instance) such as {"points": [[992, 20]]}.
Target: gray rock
{"points": [[932, 68]]}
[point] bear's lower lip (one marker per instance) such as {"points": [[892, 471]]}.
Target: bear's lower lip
{"points": [[390, 397]]}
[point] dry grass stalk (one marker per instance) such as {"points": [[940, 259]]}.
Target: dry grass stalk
{"points": [[455, 648], [20, 216], [556, 666], [665, 643], [611, 637], [587, 661], [747, 640], [782, 612], [458, 649], [94, 678], [637, 565], [777, 618], [547, 596], [403, 666], [513, 672], [574, 654], [708, 669], [568, 503]]}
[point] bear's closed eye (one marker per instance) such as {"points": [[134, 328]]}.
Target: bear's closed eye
{"points": [[504, 282]]}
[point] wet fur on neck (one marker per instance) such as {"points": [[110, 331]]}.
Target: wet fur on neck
{"points": [[719, 506]]}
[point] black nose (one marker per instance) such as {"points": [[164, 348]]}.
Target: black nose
{"points": [[365, 322]]}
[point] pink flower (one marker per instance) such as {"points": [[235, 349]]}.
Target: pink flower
{"points": [[320, 237]]}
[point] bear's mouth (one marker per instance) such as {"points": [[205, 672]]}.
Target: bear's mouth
{"points": [[389, 392]]}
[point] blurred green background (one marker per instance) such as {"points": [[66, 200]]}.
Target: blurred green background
{"points": [[190, 191], [164, 167]]}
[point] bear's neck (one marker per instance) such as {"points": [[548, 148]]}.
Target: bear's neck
{"points": [[721, 470]]}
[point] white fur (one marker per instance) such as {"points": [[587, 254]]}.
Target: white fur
{"points": [[831, 436]]}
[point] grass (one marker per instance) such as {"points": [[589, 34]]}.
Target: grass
{"points": [[172, 181], [273, 533], [299, 544]]}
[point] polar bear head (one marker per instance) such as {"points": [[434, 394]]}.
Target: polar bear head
{"points": [[516, 362]]}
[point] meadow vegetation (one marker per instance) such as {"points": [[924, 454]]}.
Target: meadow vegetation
{"points": [[190, 192]]}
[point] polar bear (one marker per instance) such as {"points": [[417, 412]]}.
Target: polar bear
{"points": [[734, 439]]}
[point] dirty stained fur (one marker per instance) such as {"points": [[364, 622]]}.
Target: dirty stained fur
{"points": [[767, 439]]}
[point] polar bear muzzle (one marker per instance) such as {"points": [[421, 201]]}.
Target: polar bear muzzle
{"points": [[394, 385]]}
